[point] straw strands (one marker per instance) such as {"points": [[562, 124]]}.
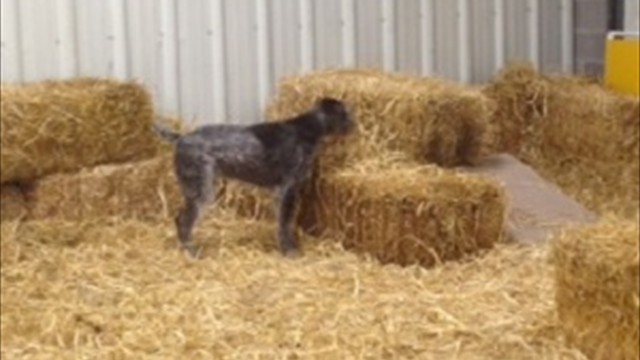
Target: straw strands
{"points": [[144, 190], [575, 132], [104, 277], [410, 213], [598, 288], [428, 119], [520, 94], [13, 204], [121, 289], [60, 126]]}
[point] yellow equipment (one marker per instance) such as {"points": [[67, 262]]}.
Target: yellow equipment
{"points": [[622, 62]]}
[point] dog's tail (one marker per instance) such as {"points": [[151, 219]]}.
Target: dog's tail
{"points": [[169, 135]]}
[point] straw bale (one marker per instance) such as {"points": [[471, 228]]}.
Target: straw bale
{"points": [[62, 126], [13, 204], [589, 121], [145, 190], [429, 119], [598, 288], [589, 141], [520, 93], [124, 291], [408, 214], [575, 133]]}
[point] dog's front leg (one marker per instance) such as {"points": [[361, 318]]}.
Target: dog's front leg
{"points": [[288, 196], [185, 222]]}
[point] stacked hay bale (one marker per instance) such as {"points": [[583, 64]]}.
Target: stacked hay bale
{"points": [[575, 132], [86, 149], [430, 120], [63, 126], [373, 188], [400, 119], [598, 288], [520, 94]]}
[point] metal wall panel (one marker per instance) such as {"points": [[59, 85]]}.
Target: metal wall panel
{"points": [[285, 38], [38, 33], [550, 42], [446, 39], [192, 45], [632, 15], [144, 48], [220, 60], [241, 61], [407, 24], [368, 33], [327, 26], [482, 48], [91, 36], [516, 31], [10, 53]]}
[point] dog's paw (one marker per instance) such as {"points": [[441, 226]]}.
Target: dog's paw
{"points": [[192, 251], [292, 254]]}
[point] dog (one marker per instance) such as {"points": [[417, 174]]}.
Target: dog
{"points": [[275, 155]]}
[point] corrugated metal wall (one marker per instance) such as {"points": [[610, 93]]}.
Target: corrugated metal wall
{"points": [[632, 15], [219, 60]]}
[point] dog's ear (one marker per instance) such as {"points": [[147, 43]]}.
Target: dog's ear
{"points": [[330, 105]]}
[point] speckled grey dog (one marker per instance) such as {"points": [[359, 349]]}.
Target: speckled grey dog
{"points": [[277, 155]]}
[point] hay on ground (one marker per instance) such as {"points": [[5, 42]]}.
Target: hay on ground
{"points": [[429, 119], [122, 289], [598, 288], [13, 204], [408, 214], [576, 133], [62, 126]]}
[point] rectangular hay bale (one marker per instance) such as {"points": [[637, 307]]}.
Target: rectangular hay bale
{"points": [[575, 132], [408, 214], [144, 190], [427, 119], [597, 285], [63, 126], [563, 116]]}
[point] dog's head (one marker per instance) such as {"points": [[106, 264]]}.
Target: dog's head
{"points": [[334, 115]]}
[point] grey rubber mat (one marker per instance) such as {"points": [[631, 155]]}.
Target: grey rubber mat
{"points": [[536, 207]]}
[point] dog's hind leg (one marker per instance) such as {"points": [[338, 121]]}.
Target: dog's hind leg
{"points": [[196, 179], [288, 195]]}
